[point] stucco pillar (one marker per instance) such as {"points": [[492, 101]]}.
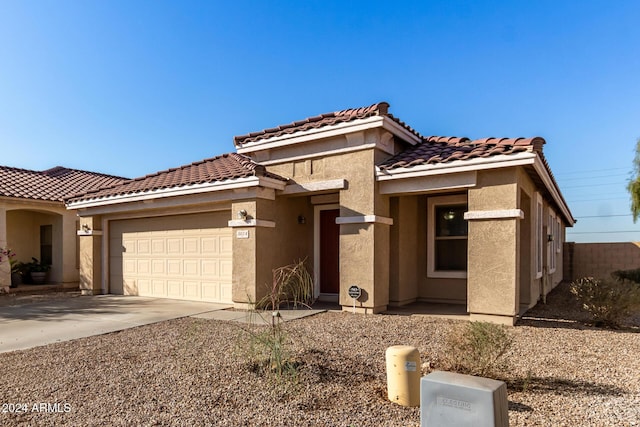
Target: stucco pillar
{"points": [[365, 224], [493, 248], [5, 267], [253, 250], [90, 255], [69, 251]]}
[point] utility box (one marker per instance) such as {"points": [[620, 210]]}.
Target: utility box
{"points": [[451, 399], [403, 375]]}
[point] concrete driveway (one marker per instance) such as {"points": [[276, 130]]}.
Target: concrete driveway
{"points": [[31, 324]]}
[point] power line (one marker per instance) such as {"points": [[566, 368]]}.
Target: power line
{"points": [[591, 177], [601, 216], [591, 185], [602, 232], [589, 171], [597, 200]]}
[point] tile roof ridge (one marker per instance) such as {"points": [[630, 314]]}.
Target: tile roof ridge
{"points": [[58, 170], [378, 109]]}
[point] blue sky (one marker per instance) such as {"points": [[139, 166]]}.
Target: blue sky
{"points": [[133, 87]]}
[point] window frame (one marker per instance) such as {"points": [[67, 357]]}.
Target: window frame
{"points": [[539, 233], [552, 253], [432, 204]]}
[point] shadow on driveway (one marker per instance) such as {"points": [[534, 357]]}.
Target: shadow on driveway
{"points": [[60, 319]]}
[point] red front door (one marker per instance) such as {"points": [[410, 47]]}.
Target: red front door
{"points": [[329, 250]]}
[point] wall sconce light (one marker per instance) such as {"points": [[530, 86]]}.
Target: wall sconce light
{"points": [[242, 214], [85, 228], [549, 237], [449, 215], [302, 219]]}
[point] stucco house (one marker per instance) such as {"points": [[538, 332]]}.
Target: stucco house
{"points": [[34, 221], [365, 198]]}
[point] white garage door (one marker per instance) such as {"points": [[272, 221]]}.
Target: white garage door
{"points": [[182, 257]]}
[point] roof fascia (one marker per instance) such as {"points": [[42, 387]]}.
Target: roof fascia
{"points": [[246, 182], [330, 131], [543, 173], [456, 166]]}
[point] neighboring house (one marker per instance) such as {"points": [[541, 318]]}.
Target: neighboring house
{"points": [[34, 221], [362, 196]]}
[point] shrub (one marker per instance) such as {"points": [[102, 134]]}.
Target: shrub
{"points": [[608, 302], [268, 348], [632, 275], [478, 348]]}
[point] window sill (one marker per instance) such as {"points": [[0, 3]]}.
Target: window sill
{"points": [[447, 275]]}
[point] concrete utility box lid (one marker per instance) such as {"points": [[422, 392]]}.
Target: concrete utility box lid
{"points": [[450, 399]]}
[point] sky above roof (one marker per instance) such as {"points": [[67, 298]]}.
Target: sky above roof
{"points": [[130, 88]]}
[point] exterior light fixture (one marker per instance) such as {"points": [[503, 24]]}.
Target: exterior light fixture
{"points": [[302, 219], [549, 237], [242, 214], [449, 215], [85, 228]]}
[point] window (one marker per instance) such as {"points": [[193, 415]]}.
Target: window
{"points": [[558, 235], [551, 241], [46, 244], [448, 236], [539, 235]]}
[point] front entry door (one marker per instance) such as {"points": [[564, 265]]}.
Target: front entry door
{"points": [[329, 250]]}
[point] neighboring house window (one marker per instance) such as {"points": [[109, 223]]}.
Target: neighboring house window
{"points": [[539, 235], [551, 232], [448, 236]]}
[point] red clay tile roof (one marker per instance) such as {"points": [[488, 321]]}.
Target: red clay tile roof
{"points": [[327, 119], [54, 184], [440, 149], [219, 168]]}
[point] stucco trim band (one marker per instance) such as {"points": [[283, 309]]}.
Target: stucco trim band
{"points": [[251, 223], [89, 233], [364, 219], [496, 214], [311, 187]]}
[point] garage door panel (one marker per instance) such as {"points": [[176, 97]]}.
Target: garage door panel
{"points": [[182, 257], [174, 246], [174, 267]]}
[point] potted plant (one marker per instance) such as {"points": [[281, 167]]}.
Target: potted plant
{"points": [[38, 271], [18, 271]]}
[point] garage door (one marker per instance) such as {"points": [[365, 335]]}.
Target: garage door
{"points": [[182, 257]]}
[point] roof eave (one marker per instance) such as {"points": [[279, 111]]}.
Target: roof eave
{"points": [[245, 182], [328, 131]]}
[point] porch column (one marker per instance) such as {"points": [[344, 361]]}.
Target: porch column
{"points": [[5, 267], [493, 249], [90, 255], [69, 250], [253, 250]]}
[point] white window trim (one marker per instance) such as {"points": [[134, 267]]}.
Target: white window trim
{"points": [[558, 235], [432, 203], [539, 230], [551, 245]]}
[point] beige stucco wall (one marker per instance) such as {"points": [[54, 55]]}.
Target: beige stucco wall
{"points": [[364, 247], [493, 270], [91, 257]]}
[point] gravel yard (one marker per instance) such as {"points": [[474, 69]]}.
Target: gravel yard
{"points": [[192, 372]]}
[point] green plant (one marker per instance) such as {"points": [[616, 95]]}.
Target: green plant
{"points": [[36, 266], [632, 275], [608, 302], [478, 348]]}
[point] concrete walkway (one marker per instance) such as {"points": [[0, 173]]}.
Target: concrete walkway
{"points": [[40, 322]]}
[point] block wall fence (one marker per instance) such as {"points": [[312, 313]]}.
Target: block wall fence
{"points": [[598, 259]]}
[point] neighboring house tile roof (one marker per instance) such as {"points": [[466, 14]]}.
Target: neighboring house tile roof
{"points": [[327, 119], [440, 149], [219, 168], [53, 184]]}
